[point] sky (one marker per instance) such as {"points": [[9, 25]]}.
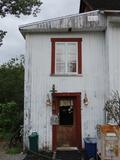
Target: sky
{"points": [[14, 43]]}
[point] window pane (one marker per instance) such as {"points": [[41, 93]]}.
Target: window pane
{"points": [[66, 102], [72, 57], [60, 57], [72, 67], [66, 115], [60, 67], [66, 57]]}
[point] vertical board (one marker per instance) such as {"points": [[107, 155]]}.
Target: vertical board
{"points": [[92, 82], [114, 56]]}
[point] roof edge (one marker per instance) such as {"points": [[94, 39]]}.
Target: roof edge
{"points": [[57, 18], [88, 21], [109, 11]]}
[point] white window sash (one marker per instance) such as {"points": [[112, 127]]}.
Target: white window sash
{"points": [[65, 52], [76, 51]]}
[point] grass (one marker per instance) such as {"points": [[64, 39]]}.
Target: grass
{"points": [[14, 150], [5, 137]]}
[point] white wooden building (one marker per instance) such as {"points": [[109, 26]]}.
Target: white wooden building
{"points": [[72, 64]]}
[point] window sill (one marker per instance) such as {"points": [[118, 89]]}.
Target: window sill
{"points": [[66, 75]]}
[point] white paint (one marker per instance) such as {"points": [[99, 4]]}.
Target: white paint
{"points": [[92, 18], [84, 22], [90, 82], [114, 55], [100, 75]]}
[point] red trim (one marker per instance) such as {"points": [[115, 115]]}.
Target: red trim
{"points": [[54, 127], [78, 121], [53, 40], [67, 94], [66, 39], [53, 58], [79, 58], [78, 135]]}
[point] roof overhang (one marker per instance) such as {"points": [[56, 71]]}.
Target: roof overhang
{"points": [[111, 12], [89, 21]]}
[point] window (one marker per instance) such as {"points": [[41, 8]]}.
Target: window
{"points": [[66, 115], [66, 56]]}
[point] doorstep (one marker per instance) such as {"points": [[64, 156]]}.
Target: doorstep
{"points": [[67, 153], [67, 149]]}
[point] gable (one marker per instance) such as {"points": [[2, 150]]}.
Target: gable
{"points": [[89, 5]]}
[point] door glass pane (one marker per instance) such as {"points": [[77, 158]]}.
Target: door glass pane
{"points": [[66, 112]]}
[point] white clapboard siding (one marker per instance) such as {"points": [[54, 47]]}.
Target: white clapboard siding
{"points": [[38, 83], [114, 56]]}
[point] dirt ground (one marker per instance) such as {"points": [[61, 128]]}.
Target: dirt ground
{"points": [[4, 156], [21, 156]]}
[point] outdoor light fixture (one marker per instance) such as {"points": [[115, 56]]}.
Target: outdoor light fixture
{"points": [[49, 96], [48, 100], [85, 100]]}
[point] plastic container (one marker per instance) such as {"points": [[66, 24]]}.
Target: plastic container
{"points": [[33, 142], [90, 147]]}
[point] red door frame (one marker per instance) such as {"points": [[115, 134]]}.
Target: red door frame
{"points": [[77, 96]]}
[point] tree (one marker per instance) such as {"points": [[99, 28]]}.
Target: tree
{"points": [[2, 34], [112, 107], [12, 92], [18, 7], [9, 116]]}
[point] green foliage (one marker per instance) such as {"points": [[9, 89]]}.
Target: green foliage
{"points": [[8, 115], [18, 7], [11, 93], [5, 135], [14, 150], [2, 34]]}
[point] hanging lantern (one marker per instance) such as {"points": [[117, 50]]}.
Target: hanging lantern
{"points": [[85, 100], [48, 100]]}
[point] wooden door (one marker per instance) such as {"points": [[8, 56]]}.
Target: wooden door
{"points": [[68, 132]]}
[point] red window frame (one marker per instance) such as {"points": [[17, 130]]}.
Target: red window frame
{"points": [[54, 40]]}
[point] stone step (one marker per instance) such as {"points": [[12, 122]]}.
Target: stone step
{"points": [[69, 154]]}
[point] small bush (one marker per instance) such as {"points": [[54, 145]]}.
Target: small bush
{"points": [[9, 116], [6, 136]]}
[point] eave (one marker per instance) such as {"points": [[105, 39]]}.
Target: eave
{"points": [[89, 21]]}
